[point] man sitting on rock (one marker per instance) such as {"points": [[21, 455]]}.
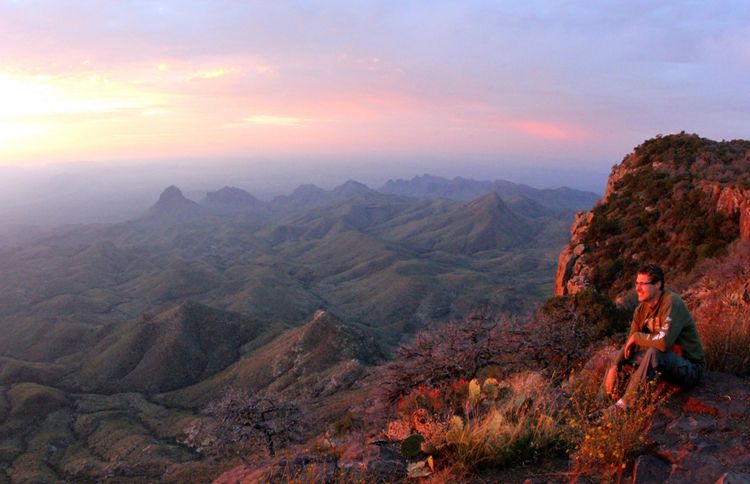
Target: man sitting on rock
{"points": [[663, 340]]}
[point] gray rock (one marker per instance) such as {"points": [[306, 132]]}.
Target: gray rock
{"points": [[649, 468], [385, 463]]}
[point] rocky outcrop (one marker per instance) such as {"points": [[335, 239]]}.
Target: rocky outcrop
{"points": [[575, 270], [732, 201], [573, 274], [618, 173]]}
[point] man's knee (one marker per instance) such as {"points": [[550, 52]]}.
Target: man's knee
{"points": [[652, 354], [678, 370]]}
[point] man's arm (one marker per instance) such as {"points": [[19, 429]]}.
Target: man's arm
{"points": [[624, 352], [673, 321]]}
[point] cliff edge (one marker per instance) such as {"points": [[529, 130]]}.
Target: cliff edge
{"points": [[675, 200]]}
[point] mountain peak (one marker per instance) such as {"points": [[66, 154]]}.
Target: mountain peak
{"points": [[172, 202], [171, 194], [350, 189], [490, 200], [325, 331], [307, 190], [231, 194], [230, 199], [492, 205]]}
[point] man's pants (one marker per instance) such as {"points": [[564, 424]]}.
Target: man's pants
{"points": [[652, 363]]}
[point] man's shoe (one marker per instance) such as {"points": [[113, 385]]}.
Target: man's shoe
{"points": [[609, 412]]}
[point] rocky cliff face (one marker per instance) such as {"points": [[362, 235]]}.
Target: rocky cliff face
{"points": [[733, 201], [573, 274], [674, 200]]}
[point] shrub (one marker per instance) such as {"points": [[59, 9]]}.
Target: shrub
{"points": [[463, 425], [604, 446], [726, 337], [449, 352], [239, 423], [565, 328], [722, 310]]}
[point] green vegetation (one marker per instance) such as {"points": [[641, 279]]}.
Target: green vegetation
{"points": [[566, 330], [660, 214]]}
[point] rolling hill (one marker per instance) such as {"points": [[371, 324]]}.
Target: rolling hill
{"points": [[111, 336]]}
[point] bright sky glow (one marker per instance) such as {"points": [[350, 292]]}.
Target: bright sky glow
{"points": [[577, 80]]}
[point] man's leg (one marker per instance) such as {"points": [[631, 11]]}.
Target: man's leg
{"points": [[678, 370], [653, 363], [645, 363]]}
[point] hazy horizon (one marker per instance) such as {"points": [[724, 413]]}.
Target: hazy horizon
{"points": [[87, 192], [268, 95]]}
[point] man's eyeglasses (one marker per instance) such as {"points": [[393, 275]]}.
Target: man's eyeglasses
{"points": [[649, 283]]}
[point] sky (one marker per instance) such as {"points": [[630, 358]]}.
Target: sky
{"points": [[547, 90]]}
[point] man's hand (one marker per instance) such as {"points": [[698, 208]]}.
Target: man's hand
{"points": [[610, 379], [629, 347]]}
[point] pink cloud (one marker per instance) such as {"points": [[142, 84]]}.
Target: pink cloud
{"points": [[549, 131]]}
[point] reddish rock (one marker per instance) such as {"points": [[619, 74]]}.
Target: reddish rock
{"points": [[695, 406], [697, 468], [572, 274], [385, 463], [732, 201], [564, 269], [617, 174]]}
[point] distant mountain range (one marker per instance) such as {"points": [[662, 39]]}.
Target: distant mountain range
{"points": [[108, 333], [229, 200], [427, 186]]}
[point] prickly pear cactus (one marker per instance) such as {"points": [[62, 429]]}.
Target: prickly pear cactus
{"points": [[412, 445]]}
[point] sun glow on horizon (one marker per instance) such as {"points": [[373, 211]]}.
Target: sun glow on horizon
{"points": [[62, 113]]}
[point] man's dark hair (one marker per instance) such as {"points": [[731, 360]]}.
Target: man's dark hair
{"points": [[654, 273]]}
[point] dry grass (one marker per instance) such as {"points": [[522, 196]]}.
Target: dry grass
{"points": [[727, 339], [469, 425], [726, 334], [603, 446], [721, 307]]}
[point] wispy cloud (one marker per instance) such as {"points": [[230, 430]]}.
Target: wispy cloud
{"points": [[273, 120], [214, 73]]}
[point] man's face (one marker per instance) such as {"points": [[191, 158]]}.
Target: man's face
{"points": [[647, 290]]}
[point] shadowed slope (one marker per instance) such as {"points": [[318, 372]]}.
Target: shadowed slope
{"points": [[483, 224], [319, 358], [171, 350]]}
